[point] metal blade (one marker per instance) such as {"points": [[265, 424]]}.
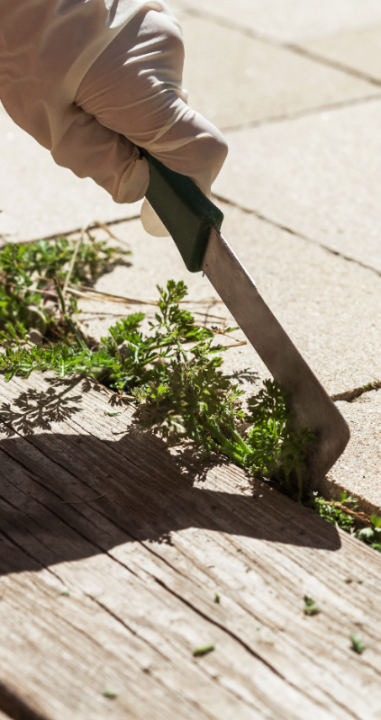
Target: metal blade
{"points": [[306, 398]]}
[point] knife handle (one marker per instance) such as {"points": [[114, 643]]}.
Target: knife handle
{"points": [[183, 208]]}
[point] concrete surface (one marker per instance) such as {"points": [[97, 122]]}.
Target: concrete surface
{"points": [[360, 50], [39, 198], [251, 81], [318, 175], [289, 20]]}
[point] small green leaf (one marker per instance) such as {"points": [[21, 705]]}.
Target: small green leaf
{"points": [[65, 593], [217, 598], [366, 534], [203, 650], [376, 521], [357, 644], [113, 414]]}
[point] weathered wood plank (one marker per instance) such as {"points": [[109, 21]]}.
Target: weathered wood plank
{"points": [[143, 563]]}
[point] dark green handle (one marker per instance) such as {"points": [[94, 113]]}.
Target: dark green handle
{"points": [[183, 208]]}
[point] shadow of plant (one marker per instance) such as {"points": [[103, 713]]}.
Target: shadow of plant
{"points": [[245, 376], [38, 409]]}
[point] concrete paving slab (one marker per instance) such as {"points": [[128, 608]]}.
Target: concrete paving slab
{"points": [[358, 471], [39, 198], [292, 19], [318, 175], [360, 51], [325, 303], [251, 81]]}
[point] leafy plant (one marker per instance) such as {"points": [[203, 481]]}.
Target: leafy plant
{"points": [[31, 276], [372, 534], [343, 513], [335, 512], [188, 398]]}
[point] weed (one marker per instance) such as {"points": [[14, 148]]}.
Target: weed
{"points": [[343, 514], [333, 511], [31, 276], [372, 535]]}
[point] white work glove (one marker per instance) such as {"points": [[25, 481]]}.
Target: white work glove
{"points": [[92, 80]]}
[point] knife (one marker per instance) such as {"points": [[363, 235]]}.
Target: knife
{"points": [[194, 223]]}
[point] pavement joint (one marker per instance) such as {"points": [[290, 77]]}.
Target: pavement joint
{"points": [[335, 64], [307, 112], [231, 203], [92, 226], [295, 233], [275, 42]]}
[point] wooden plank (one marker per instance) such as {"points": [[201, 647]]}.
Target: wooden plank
{"points": [[143, 563]]}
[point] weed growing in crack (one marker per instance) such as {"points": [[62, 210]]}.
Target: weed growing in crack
{"points": [[372, 535], [344, 514], [341, 513]]}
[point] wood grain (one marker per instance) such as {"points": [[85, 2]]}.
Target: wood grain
{"points": [[143, 541]]}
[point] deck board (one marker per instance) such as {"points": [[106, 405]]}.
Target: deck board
{"points": [[142, 541]]}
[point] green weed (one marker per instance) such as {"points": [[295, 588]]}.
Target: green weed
{"points": [[31, 276], [372, 535], [333, 511]]}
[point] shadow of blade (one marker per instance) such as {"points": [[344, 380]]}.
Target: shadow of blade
{"points": [[66, 497]]}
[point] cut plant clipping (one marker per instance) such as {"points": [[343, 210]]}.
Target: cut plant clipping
{"points": [[357, 644], [110, 694], [199, 652], [310, 606]]}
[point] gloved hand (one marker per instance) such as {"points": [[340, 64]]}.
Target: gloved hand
{"points": [[93, 79]]}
